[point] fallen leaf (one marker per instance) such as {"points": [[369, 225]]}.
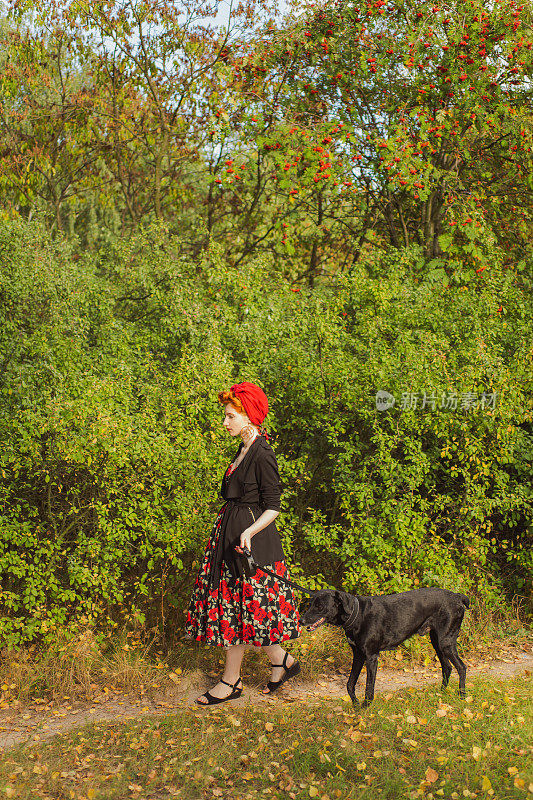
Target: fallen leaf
{"points": [[476, 752], [485, 784], [269, 726], [313, 791], [431, 775]]}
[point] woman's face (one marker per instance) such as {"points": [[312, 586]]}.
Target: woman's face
{"points": [[233, 421]]}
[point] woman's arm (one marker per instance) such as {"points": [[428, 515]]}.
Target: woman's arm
{"points": [[261, 522], [267, 476]]}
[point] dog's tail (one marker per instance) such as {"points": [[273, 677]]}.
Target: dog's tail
{"points": [[464, 600]]}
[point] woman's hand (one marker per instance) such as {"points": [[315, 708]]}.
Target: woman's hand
{"points": [[265, 519], [246, 541]]}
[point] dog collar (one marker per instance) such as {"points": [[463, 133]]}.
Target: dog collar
{"points": [[351, 619]]}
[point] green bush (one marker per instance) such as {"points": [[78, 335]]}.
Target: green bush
{"points": [[113, 449]]}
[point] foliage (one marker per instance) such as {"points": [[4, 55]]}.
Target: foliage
{"points": [[113, 449], [344, 126], [105, 464], [403, 121]]}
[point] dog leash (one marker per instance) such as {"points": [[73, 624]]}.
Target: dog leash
{"points": [[250, 568]]}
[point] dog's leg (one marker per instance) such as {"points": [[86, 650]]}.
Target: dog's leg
{"points": [[371, 670], [357, 666], [450, 651], [445, 664]]}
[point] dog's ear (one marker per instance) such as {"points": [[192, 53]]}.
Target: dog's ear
{"points": [[349, 605]]}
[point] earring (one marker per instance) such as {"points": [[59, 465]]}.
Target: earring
{"points": [[247, 433]]}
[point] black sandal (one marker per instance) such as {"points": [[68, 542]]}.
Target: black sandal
{"points": [[290, 672], [212, 701]]}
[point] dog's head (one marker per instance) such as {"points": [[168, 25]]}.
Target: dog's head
{"points": [[331, 607]]}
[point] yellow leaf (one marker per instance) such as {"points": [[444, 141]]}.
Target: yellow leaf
{"points": [[476, 752], [361, 765], [313, 791], [247, 776], [234, 721], [356, 736], [411, 720], [91, 793], [512, 770], [269, 726], [431, 775], [519, 782], [485, 784]]}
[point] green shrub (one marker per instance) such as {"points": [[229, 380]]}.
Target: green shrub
{"points": [[113, 449]]}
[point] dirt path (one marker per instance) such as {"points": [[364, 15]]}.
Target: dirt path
{"points": [[37, 722]]}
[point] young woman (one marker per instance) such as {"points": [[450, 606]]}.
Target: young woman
{"points": [[226, 608]]}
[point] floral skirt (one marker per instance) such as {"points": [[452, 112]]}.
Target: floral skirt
{"points": [[258, 611]]}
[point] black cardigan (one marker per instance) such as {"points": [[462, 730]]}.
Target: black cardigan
{"points": [[252, 487]]}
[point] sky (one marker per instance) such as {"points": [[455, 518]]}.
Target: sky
{"points": [[224, 8]]}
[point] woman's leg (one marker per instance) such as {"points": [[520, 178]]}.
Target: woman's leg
{"points": [[276, 654], [231, 673]]}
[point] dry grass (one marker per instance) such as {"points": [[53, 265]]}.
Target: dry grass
{"points": [[77, 668]]}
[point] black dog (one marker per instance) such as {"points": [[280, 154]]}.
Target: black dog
{"points": [[373, 624]]}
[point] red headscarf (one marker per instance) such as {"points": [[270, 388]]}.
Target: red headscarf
{"points": [[253, 399]]}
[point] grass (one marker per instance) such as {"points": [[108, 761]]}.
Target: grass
{"points": [[419, 743]]}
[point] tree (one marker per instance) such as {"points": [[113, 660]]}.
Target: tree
{"points": [[418, 117]]}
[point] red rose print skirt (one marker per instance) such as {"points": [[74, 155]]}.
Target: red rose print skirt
{"points": [[258, 611]]}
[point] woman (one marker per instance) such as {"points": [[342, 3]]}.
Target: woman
{"points": [[226, 608]]}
